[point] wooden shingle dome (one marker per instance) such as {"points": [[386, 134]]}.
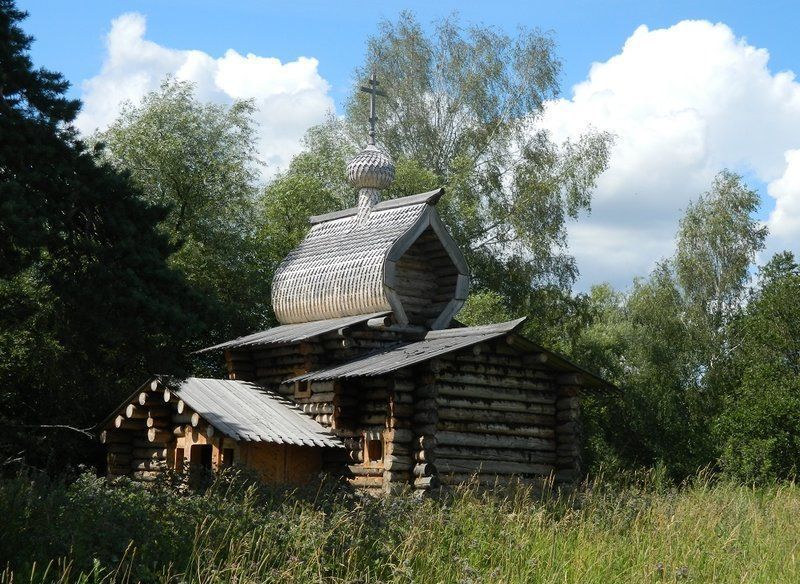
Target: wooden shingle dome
{"points": [[393, 255]]}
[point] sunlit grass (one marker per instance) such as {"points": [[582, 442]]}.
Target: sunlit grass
{"points": [[238, 532]]}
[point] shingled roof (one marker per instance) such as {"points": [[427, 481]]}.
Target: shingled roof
{"points": [[292, 333], [246, 411], [347, 264]]}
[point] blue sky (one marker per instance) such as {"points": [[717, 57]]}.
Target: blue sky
{"points": [[70, 35], [673, 131]]}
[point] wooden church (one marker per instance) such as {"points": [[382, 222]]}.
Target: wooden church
{"points": [[368, 377]]}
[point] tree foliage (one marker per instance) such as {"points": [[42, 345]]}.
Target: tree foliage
{"points": [[90, 307], [670, 342], [760, 425], [198, 160]]}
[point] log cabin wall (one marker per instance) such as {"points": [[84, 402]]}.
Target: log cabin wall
{"points": [[568, 430], [496, 416], [426, 279], [141, 439]]}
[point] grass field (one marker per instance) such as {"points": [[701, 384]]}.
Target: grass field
{"points": [[239, 532]]}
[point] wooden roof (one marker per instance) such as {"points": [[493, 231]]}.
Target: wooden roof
{"points": [[293, 333], [441, 342], [251, 413], [345, 265], [434, 344]]}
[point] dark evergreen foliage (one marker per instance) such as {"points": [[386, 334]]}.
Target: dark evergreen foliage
{"points": [[89, 306]]}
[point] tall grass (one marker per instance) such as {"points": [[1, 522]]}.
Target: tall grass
{"points": [[239, 532]]}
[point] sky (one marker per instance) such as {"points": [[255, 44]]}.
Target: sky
{"points": [[687, 89]]}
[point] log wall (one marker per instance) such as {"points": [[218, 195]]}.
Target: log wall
{"points": [[496, 416], [426, 279]]}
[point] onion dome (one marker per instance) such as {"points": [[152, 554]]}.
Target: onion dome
{"points": [[371, 168]]}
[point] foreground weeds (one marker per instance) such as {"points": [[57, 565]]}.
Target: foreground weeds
{"points": [[236, 531]]}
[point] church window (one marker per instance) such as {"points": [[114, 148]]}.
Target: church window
{"points": [[373, 449], [302, 389]]}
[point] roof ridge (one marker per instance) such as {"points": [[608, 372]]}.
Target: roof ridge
{"points": [[429, 197]]}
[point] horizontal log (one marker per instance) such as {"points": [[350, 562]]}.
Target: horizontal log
{"points": [[149, 398], [320, 397], [490, 416], [395, 422], [446, 438], [135, 411], [364, 471], [448, 401], [496, 428], [370, 419], [397, 448], [398, 435], [397, 458], [426, 417], [123, 423], [460, 465], [500, 454], [404, 385], [157, 422], [495, 393], [494, 480], [156, 435], [496, 381]]}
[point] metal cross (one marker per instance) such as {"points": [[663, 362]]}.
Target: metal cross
{"points": [[373, 92]]}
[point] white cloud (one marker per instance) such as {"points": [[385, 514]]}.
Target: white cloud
{"points": [[684, 102], [290, 96]]}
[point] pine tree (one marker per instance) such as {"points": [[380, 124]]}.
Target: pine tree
{"points": [[89, 305]]}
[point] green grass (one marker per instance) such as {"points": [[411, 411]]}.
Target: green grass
{"points": [[239, 532]]}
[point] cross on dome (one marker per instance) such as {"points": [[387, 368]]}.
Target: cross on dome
{"points": [[373, 93]]}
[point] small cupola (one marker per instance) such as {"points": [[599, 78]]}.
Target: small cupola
{"points": [[370, 171]]}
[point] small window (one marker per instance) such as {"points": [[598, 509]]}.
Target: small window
{"points": [[373, 449], [200, 456], [178, 459], [302, 389], [227, 457]]}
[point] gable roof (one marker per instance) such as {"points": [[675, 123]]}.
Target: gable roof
{"points": [[345, 265], [251, 413], [434, 344], [243, 411], [293, 333]]}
